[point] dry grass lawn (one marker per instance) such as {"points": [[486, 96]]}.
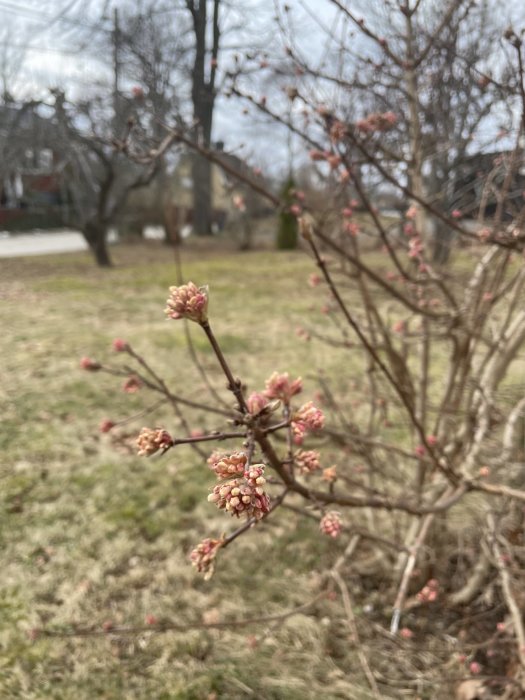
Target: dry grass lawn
{"points": [[91, 533]]}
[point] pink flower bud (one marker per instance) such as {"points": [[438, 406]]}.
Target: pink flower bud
{"points": [[331, 524], [406, 633], [475, 668], [296, 210], [120, 345], [314, 280], [150, 620], [456, 214], [279, 386], [347, 212], [310, 416], [432, 440], [89, 365], [330, 474], [243, 497], [151, 441], [203, 556], [484, 472], [227, 466], [188, 301], [106, 425], [307, 461]]}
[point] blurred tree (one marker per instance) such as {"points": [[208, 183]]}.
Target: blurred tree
{"points": [[287, 230], [99, 176], [203, 93]]}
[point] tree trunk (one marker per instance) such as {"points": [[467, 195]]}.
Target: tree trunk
{"points": [[202, 196], [203, 98], [95, 235], [443, 239]]}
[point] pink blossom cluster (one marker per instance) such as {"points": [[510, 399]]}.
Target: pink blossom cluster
{"points": [[243, 496], [429, 592], [307, 461], [279, 386], [331, 524], [151, 441], [203, 556], [227, 466], [307, 418], [188, 301], [378, 121]]}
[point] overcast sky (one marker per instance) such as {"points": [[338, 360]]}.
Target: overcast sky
{"points": [[46, 43]]}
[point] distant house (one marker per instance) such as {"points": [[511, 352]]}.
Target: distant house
{"points": [[32, 193], [168, 201]]}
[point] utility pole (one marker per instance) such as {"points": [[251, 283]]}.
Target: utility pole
{"points": [[116, 72]]}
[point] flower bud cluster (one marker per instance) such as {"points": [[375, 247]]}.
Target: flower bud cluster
{"points": [[243, 496], [227, 466], [203, 556], [331, 524], [150, 441], [307, 461], [279, 386], [307, 418], [188, 301]]}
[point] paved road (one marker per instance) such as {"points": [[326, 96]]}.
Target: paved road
{"points": [[44, 243], [16, 245]]}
